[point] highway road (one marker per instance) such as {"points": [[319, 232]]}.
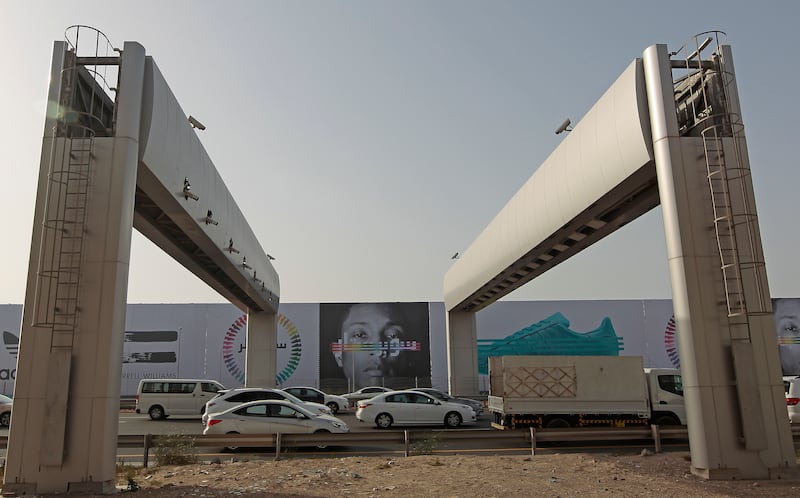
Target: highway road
{"points": [[131, 423]]}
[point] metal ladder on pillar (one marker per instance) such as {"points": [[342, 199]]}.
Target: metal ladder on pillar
{"points": [[64, 229], [723, 222], [733, 225]]}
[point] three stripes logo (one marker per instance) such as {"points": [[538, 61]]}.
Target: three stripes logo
{"points": [[11, 342], [234, 345]]}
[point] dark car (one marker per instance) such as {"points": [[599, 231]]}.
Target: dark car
{"points": [[441, 396]]}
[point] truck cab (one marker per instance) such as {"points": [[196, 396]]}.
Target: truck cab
{"points": [[665, 387]]}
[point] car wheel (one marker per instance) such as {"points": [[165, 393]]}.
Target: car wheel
{"points": [[323, 433], [660, 420], [334, 406], [156, 412], [384, 421], [231, 448], [5, 419], [452, 419]]}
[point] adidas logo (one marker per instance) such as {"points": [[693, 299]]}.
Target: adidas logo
{"points": [[12, 343]]}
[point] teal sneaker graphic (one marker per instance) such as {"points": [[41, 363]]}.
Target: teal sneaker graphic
{"points": [[551, 336]]}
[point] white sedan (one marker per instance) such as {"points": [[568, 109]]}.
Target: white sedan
{"points": [[235, 397], [413, 408], [272, 417], [332, 401]]}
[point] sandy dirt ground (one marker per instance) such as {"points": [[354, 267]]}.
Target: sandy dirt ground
{"points": [[551, 475]]}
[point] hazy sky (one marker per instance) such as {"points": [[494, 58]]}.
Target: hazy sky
{"points": [[368, 141]]}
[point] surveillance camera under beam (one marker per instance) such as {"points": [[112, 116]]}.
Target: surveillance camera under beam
{"points": [[196, 124]]}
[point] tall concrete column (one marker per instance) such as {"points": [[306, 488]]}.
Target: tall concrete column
{"points": [[260, 356], [462, 353], [737, 426], [66, 397]]}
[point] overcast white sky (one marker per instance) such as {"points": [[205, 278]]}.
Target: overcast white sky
{"points": [[367, 141]]}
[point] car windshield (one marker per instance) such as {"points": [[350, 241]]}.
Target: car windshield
{"points": [[294, 399], [436, 394]]}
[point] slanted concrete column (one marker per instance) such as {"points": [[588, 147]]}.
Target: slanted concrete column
{"points": [[260, 355], [737, 426], [66, 397], [462, 353]]}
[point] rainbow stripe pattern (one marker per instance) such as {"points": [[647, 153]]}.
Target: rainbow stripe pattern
{"points": [[390, 347]]}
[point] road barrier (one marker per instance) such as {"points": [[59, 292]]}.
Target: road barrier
{"points": [[405, 441], [127, 403], [654, 432]]}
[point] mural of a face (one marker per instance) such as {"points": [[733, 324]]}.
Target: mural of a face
{"points": [[787, 321], [370, 343]]}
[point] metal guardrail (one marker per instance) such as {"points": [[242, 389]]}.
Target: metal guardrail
{"points": [[404, 440], [654, 432]]}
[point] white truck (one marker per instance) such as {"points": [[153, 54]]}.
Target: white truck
{"points": [[579, 391]]}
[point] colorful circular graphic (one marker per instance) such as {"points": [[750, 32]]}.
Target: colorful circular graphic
{"points": [[233, 357], [671, 342]]}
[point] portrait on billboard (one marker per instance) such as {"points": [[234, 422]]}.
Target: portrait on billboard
{"points": [[787, 323], [374, 344]]}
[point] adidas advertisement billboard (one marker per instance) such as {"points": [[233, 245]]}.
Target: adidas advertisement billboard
{"points": [[340, 347]]}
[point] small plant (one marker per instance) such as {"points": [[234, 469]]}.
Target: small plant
{"points": [[127, 473], [175, 449], [425, 446]]}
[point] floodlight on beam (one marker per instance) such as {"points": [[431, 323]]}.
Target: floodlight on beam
{"points": [[187, 190], [209, 219], [231, 249]]}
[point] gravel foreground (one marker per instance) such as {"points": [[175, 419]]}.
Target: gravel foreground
{"points": [[550, 475]]}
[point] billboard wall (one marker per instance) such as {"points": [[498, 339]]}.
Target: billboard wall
{"points": [[343, 346]]}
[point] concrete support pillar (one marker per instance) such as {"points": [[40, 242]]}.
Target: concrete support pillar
{"points": [[66, 397], [737, 428], [462, 353], [260, 356]]}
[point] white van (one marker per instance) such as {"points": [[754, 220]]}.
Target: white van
{"points": [[161, 398]]}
